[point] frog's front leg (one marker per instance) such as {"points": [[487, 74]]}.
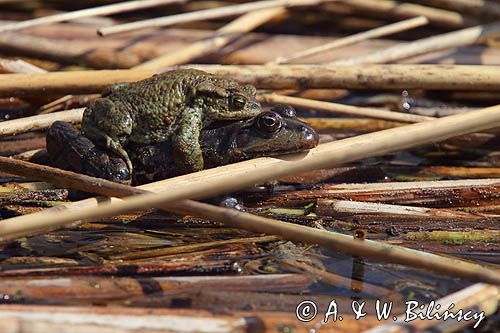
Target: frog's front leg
{"points": [[185, 142]]}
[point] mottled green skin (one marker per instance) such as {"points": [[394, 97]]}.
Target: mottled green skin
{"points": [[175, 105]]}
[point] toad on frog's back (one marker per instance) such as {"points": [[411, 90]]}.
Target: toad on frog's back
{"points": [[270, 133], [174, 105]]}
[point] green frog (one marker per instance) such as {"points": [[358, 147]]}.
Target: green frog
{"points": [[173, 106], [270, 133]]}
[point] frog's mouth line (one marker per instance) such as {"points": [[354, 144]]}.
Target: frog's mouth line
{"points": [[273, 153]]}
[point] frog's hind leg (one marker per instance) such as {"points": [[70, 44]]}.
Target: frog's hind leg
{"points": [[104, 122]]}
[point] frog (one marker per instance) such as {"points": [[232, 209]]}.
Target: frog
{"points": [[274, 132], [173, 106]]}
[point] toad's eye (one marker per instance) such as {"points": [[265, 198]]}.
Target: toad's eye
{"points": [[269, 122], [237, 102]]}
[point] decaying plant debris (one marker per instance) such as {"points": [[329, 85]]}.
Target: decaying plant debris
{"points": [[394, 205]]}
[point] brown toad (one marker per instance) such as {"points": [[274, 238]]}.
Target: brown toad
{"points": [[174, 105]]}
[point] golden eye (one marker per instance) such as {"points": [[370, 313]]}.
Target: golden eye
{"points": [[269, 122], [238, 102]]}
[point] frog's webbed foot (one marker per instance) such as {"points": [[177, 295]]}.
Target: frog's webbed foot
{"points": [[185, 143]]}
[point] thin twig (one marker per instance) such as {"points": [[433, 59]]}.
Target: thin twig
{"points": [[461, 172], [64, 82], [39, 122], [97, 11], [392, 8], [19, 66], [478, 7], [328, 207], [345, 41], [344, 109], [234, 218], [221, 37], [205, 14], [454, 237], [239, 175], [452, 39], [349, 124]]}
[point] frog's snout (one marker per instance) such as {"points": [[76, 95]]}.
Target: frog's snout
{"points": [[311, 138]]}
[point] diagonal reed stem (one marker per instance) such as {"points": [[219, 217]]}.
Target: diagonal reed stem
{"points": [[239, 175], [331, 240]]}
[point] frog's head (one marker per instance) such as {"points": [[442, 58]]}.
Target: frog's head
{"points": [[226, 100], [270, 133]]}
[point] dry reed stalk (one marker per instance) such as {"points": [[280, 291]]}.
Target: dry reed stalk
{"points": [[55, 104], [436, 16], [221, 37], [239, 175], [344, 109], [27, 155], [349, 124], [442, 193], [43, 121], [447, 40], [417, 185], [45, 48], [19, 66], [63, 82], [36, 47], [341, 42], [205, 14], [461, 172], [118, 319], [454, 237], [194, 247], [432, 77], [475, 7], [329, 207], [64, 288], [318, 94], [89, 12], [478, 297], [234, 218]]}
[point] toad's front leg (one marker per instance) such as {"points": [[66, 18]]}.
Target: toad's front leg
{"points": [[185, 142], [109, 123]]}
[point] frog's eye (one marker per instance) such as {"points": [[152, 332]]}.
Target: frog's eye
{"points": [[269, 122], [237, 102]]}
